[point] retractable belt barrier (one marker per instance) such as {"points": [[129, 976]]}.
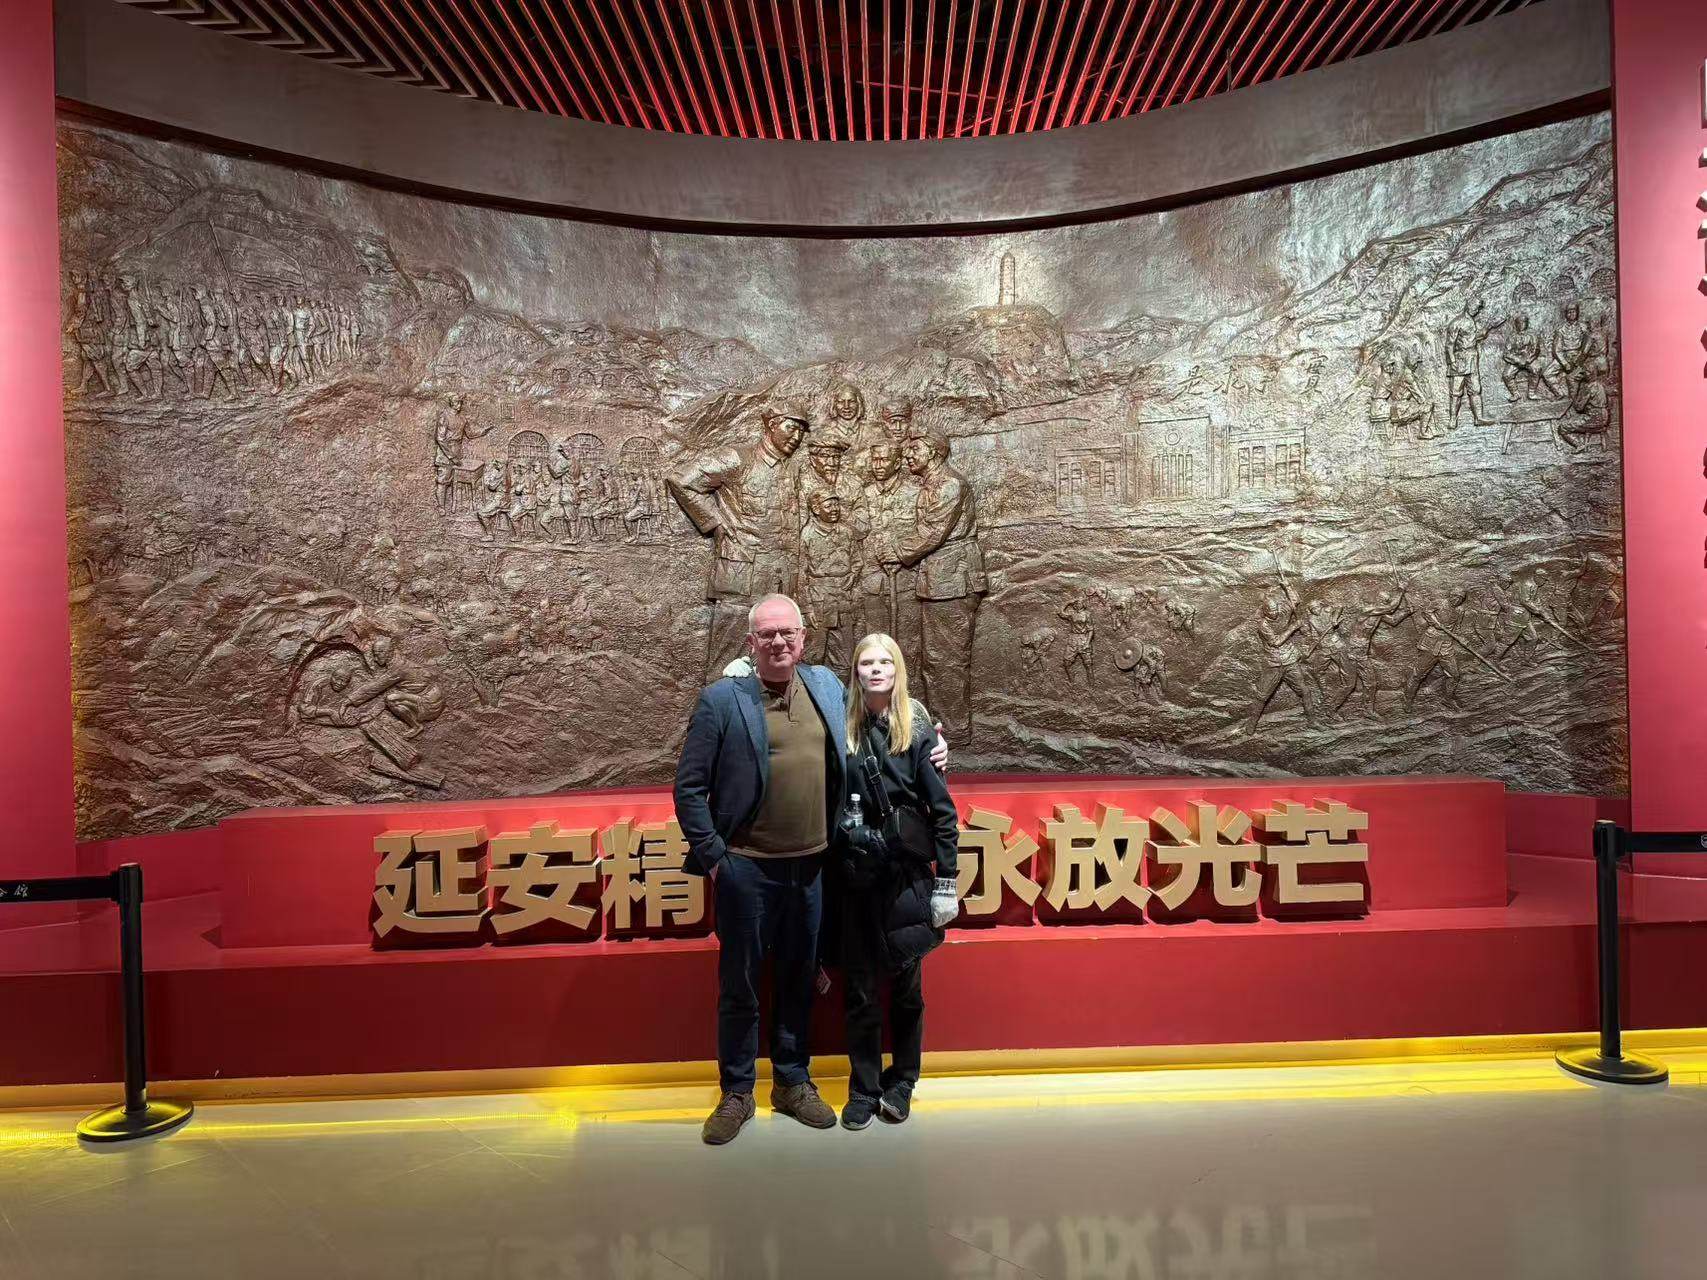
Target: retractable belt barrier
{"points": [[1613, 845], [136, 1117]]}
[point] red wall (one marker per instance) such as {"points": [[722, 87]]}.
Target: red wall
{"points": [[1658, 47], [35, 638]]}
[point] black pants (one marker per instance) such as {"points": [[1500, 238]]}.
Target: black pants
{"points": [[864, 973], [766, 906]]}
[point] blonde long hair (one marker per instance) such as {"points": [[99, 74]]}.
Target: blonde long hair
{"points": [[900, 705]]}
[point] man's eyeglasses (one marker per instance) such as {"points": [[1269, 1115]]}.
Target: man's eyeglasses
{"points": [[788, 634]]}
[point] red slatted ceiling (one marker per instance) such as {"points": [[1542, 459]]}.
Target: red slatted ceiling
{"points": [[833, 70]]}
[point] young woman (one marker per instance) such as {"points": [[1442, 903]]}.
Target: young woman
{"points": [[899, 892]]}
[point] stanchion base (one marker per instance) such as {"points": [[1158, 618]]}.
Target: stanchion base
{"points": [[1632, 1068], [115, 1124]]}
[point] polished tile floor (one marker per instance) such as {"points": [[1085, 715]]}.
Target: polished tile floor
{"points": [[1500, 1169]]}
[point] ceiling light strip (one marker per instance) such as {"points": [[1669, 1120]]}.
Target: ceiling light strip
{"points": [[1112, 56], [598, 62], [1167, 62], [556, 66], [1345, 38], [644, 65], [1043, 76], [575, 61], [1410, 32], [806, 70], [1173, 57], [1190, 59], [414, 69], [722, 66], [1116, 94], [1286, 62], [1374, 29], [450, 63], [459, 8], [1025, 69], [925, 80], [887, 86], [1446, 19], [681, 62], [616, 58], [865, 63], [1217, 56], [763, 56], [538, 73], [847, 72], [989, 66], [1085, 69], [1243, 42], [491, 94], [966, 71], [907, 68], [824, 66], [740, 51], [355, 38], [783, 71], [947, 71], [1262, 41]]}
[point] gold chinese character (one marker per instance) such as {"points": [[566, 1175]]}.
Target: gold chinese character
{"points": [[429, 882], [644, 864], [393, 881], [1218, 842], [991, 862], [536, 877], [1300, 837], [1094, 864]]}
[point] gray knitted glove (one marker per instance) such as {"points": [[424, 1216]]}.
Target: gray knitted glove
{"points": [[945, 903]]}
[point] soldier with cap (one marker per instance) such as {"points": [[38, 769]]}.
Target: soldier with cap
{"points": [[943, 546], [746, 499], [885, 508], [826, 451]]}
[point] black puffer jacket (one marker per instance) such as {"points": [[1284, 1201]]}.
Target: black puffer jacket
{"points": [[900, 904]]}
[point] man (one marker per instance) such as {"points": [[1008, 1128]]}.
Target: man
{"points": [[745, 499], [1280, 630], [1438, 648], [944, 547], [825, 473], [1464, 339], [758, 793], [1081, 636], [886, 506], [1573, 346], [827, 560]]}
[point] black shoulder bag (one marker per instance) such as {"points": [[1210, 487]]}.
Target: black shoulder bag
{"points": [[904, 829]]}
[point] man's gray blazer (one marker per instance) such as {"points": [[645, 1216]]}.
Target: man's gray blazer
{"points": [[725, 762]]}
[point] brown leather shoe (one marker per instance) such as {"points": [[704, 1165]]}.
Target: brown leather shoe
{"points": [[733, 1110], [803, 1103]]}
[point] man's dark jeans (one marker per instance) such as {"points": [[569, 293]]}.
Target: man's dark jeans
{"points": [[766, 906]]}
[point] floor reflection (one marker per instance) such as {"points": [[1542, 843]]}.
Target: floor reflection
{"points": [[1398, 1172]]}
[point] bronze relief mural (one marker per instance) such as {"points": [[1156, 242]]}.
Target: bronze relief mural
{"points": [[377, 497]]}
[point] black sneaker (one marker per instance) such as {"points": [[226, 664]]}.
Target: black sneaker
{"points": [[859, 1112], [897, 1103]]}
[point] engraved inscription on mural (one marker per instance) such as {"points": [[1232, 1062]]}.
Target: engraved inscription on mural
{"points": [[373, 497]]}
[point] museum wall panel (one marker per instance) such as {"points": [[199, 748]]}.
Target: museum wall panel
{"points": [[376, 497]]}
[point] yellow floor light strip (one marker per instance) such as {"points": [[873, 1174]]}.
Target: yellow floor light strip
{"points": [[1072, 1077]]}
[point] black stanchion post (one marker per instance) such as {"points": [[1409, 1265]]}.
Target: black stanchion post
{"points": [[137, 1117], [1608, 1062], [1606, 858]]}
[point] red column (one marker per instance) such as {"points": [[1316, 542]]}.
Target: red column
{"points": [[1659, 48], [36, 820]]}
